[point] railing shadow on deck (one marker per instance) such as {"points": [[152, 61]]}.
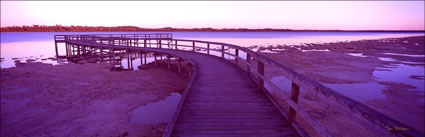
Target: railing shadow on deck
{"points": [[254, 64]]}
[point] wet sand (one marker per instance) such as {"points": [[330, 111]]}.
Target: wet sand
{"points": [[330, 63], [81, 100]]}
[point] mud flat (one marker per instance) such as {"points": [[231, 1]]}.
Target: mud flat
{"points": [[374, 72], [81, 100]]}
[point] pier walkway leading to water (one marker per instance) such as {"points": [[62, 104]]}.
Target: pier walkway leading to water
{"points": [[226, 94]]}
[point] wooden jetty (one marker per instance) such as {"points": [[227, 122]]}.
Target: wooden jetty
{"points": [[226, 94]]}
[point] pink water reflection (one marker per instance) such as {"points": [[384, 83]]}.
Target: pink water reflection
{"points": [[36, 50]]}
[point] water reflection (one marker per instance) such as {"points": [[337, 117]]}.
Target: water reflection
{"points": [[303, 39], [401, 73], [157, 112], [37, 51], [358, 91], [361, 92]]}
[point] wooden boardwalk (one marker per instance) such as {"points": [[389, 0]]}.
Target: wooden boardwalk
{"points": [[224, 101], [224, 98]]}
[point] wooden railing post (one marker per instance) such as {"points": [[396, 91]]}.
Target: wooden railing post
{"points": [[56, 49], [222, 51], [260, 69], [236, 56], [193, 44], [208, 48], [248, 59], [295, 91], [176, 45]]}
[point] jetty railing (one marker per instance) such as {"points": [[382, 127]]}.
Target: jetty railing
{"points": [[254, 64]]}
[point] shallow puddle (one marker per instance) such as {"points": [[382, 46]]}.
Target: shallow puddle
{"points": [[157, 112], [136, 62], [356, 54], [310, 50], [406, 55], [361, 92], [401, 73], [358, 91]]}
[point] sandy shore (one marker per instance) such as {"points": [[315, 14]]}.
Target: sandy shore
{"points": [[80, 100], [330, 63]]}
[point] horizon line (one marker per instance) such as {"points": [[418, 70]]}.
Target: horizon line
{"points": [[215, 29]]}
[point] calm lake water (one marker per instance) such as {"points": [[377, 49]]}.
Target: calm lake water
{"points": [[40, 46]]}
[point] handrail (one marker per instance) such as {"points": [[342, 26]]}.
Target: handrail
{"points": [[255, 66], [381, 121]]}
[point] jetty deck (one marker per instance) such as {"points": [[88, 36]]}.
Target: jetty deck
{"points": [[226, 94]]}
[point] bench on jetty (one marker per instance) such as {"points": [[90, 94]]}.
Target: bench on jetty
{"points": [[226, 94]]}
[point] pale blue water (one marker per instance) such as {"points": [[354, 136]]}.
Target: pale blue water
{"points": [[48, 36]]}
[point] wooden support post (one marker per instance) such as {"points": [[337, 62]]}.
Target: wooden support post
{"points": [[180, 65], [193, 45], [208, 48], [66, 49], [176, 44], [169, 61], [128, 60], [141, 58], [69, 50], [144, 43], [101, 54], [160, 44], [154, 56], [71, 47], [295, 91], [145, 56], [168, 44], [236, 56], [131, 61], [260, 79], [222, 51], [78, 50]]}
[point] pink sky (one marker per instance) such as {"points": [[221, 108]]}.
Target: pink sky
{"points": [[347, 15]]}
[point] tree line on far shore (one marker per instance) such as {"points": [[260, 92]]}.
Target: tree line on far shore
{"points": [[60, 28]]}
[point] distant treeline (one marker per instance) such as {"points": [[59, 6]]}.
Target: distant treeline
{"points": [[60, 28]]}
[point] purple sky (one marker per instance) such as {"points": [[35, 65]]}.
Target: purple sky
{"points": [[347, 15]]}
